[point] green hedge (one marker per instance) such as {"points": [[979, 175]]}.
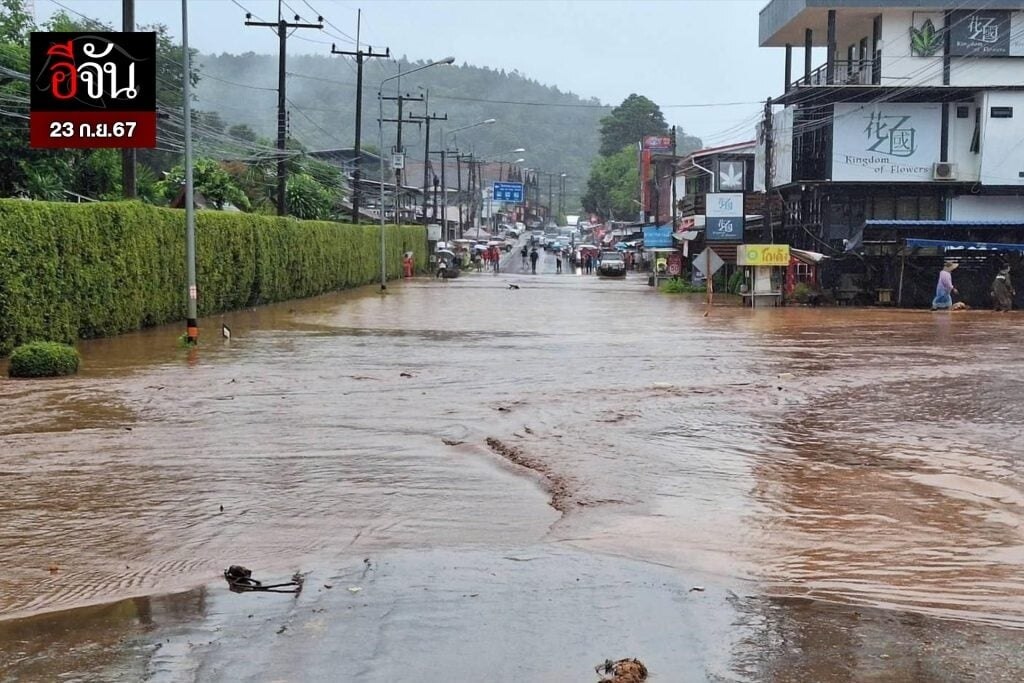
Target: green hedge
{"points": [[43, 359], [70, 271]]}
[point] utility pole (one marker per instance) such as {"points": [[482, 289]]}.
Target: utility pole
{"points": [[281, 27], [427, 118], [128, 153], [551, 182], [768, 161], [675, 211], [361, 56], [401, 99]]}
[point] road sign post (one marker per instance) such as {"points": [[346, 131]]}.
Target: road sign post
{"points": [[507, 192]]}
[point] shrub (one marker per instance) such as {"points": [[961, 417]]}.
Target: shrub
{"points": [[678, 286], [43, 359], [77, 271], [804, 293]]}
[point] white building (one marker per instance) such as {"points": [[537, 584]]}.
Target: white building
{"points": [[912, 129]]}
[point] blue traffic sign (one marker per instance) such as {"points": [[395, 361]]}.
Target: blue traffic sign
{"points": [[508, 192]]}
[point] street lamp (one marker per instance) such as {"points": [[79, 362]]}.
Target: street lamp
{"points": [[380, 151]]}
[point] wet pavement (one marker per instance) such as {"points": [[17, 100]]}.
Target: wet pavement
{"points": [[845, 484]]}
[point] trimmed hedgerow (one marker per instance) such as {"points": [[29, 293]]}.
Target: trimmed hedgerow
{"points": [[76, 271], [43, 359]]}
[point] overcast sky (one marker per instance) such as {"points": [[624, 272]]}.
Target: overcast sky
{"points": [[677, 52]]}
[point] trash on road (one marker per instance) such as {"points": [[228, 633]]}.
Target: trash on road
{"points": [[240, 580], [622, 671]]}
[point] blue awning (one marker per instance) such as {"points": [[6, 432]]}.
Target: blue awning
{"points": [[977, 246]]}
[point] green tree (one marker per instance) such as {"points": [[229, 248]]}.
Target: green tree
{"points": [[242, 131], [629, 122], [308, 198], [613, 185], [210, 179]]}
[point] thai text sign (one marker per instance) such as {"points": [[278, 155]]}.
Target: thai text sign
{"points": [[890, 142], [762, 255], [980, 33], [508, 192], [93, 89], [658, 144], [724, 216], [657, 237]]}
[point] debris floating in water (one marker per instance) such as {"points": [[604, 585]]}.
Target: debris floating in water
{"points": [[622, 671]]}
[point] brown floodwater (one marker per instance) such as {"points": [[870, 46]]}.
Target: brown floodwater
{"points": [[864, 457]]}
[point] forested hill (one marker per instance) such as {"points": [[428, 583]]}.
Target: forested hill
{"points": [[559, 130]]}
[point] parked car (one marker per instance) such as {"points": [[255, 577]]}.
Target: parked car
{"points": [[612, 264]]}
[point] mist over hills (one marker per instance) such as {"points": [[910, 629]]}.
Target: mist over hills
{"points": [[559, 130]]}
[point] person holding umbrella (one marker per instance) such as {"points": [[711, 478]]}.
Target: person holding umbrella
{"points": [[533, 259]]}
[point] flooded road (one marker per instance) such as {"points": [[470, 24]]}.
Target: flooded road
{"points": [[868, 458]]}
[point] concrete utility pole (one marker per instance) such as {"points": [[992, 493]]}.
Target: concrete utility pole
{"points": [[281, 27], [128, 153], [399, 149], [768, 161], [361, 56], [427, 118], [675, 210]]}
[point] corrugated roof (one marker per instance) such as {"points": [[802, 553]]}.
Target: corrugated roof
{"points": [[926, 224]]}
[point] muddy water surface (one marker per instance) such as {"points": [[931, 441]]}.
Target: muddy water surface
{"points": [[865, 457]]}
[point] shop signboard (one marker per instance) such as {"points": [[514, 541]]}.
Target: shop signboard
{"points": [[979, 33], [657, 237], [658, 144], [724, 216], [731, 176], [762, 255], [885, 142]]}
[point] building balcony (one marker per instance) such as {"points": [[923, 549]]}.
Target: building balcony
{"points": [[844, 72]]}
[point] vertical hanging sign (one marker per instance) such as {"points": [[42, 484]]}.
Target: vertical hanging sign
{"points": [[93, 89]]}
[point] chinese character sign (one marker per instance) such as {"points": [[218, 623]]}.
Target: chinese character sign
{"points": [[981, 33], [724, 220], [93, 90], [890, 142]]}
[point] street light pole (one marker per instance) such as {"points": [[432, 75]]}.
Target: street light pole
{"points": [[191, 316], [380, 140]]}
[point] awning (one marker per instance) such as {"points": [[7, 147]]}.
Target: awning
{"points": [[903, 226], [972, 246], [807, 256]]}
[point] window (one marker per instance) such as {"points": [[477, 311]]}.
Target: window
{"points": [[963, 111], [1001, 112]]}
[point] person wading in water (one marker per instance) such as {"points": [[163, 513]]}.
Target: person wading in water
{"points": [[1002, 290], [944, 289]]}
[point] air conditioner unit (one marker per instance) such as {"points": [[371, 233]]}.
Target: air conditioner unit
{"points": [[943, 170]]}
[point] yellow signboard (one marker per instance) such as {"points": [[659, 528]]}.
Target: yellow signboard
{"points": [[762, 255]]}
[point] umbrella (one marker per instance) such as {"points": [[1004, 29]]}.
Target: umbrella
{"points": [[444, 252], [495, 243], [463, 241], [480, 247], [589, 246]]}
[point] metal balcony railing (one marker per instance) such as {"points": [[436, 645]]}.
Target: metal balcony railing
{"points": [[845, 72]]}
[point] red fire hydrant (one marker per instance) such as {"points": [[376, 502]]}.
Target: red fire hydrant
{"points": [[407, 265]]}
